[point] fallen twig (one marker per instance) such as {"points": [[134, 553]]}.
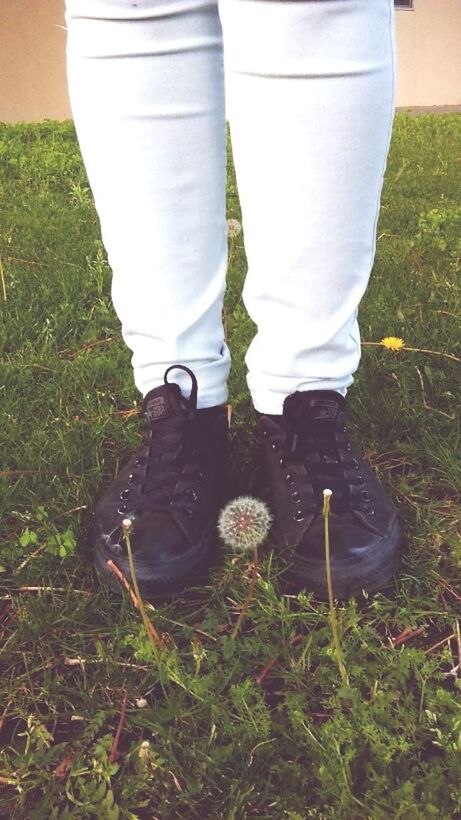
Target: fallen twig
{"points": [[114, 568], [8, 473], [155, 637], [267, 668], [156, 640], [46, 589], [24, 261], [75, 509], [428, 406], [125, 664], [71, 354], [440, 643], [407, 635], [33, 554], [447, 586]]}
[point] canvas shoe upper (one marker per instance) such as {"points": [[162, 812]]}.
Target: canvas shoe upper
{"points": [[171, 489], [307, 450]]}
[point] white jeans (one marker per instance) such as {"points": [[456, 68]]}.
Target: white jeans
{"points": [[308, 89]]}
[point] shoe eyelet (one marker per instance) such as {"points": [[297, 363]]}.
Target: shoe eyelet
{"points": [[273, 446], [265, 433], [191, 494], [122, 508], [344, 428], [295, 497], [282, 462], [298, 515], [359, 479], [200, 476], [355, 463], [137, 462], [289, 479], [365, 495], [348, 447], [124, 495], [188, 512], [130, 478], [369, 511]]}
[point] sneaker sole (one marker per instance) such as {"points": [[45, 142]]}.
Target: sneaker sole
{"points": [[350, 578], [159, 589]]}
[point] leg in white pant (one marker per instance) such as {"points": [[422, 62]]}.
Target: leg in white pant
{"points": [[310, 99], [146, 86]]}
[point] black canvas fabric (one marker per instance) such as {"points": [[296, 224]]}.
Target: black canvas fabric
{"points": [[304, 451], [171, 489]]}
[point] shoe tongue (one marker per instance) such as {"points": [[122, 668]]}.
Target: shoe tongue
{"points": [[315, 405], [163, 402]]}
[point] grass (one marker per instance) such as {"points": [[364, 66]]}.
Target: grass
{"points": [[261, 726]]}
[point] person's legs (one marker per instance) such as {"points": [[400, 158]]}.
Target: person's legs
{"points": [[310, 101], [146, 85], [146, 88]]}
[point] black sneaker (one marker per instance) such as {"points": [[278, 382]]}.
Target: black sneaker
{"points": [[172, 490], [304, 451]]}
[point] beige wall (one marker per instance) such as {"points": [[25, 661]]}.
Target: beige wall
{"points": [[429, 53], [32, 60], [32, 57]]}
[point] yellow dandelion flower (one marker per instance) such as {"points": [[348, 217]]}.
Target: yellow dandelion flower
{"points": [[392, 343]]}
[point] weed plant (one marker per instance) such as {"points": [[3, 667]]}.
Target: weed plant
{"points": [[91, 725]]}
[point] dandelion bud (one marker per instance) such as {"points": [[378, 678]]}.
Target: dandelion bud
{"points": [[145, 752], [244, 523], [326, 502]]}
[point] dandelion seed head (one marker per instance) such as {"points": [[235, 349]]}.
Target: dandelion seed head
{"points": [[244, 523], [233, 227], [392, 343]]}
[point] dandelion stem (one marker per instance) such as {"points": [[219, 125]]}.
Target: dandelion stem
{"points": [[333, 620], [418, 350], [114, 753], [150, 629], [251, 588]]}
